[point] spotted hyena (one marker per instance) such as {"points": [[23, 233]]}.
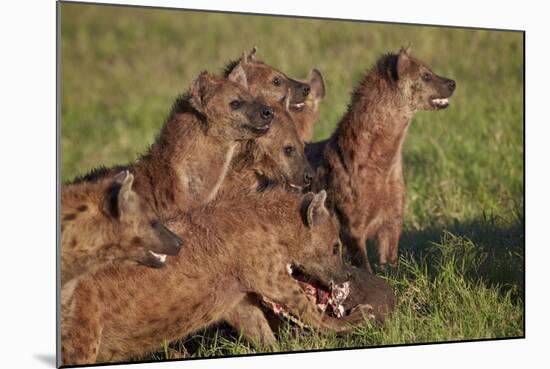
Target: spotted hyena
{"points": [[258, 244], [360, 165], [273, 86], [186, 165], [107, 221], [275, 159]]}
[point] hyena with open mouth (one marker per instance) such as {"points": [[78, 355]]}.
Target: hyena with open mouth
{"points": [[361, 166], [271, 245], [107, 221]]}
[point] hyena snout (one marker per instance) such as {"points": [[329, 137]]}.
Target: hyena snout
{"points": [[300, 91], [443, 90], [309, 174], [447, 87], [170, 243], [167, 243], [266, 114], [451, 85], [261, 118]]}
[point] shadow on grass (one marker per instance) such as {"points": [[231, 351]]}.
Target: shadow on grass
{"points": [[482, 250], [485, 250]]}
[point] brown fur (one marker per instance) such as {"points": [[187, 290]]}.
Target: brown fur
{"points": [[371, 292], [273, 86], [186, 165], [360, 165], [275, 159], [106, 221], [236, 245], [308, 115]]}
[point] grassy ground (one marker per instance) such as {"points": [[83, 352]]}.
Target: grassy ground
{"points": [[462, 250]]}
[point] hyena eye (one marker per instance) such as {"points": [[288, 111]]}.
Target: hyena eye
{"points": [[235, 104], [154, 223], [277, 81], [289, 150], [427, 77]]}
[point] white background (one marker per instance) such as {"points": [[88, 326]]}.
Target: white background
{"points": [[27, 193]]}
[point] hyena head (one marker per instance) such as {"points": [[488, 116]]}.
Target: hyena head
{"points": [[270, 83], [279, 155], [422, 89], [141, 237], [319, 257], [307, 115], [229, 109]]}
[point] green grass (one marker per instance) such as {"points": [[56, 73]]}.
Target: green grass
{"points": [[462, 249]]}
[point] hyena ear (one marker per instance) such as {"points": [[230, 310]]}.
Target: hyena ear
{"points": [[238, 75], [119, 196], [251, 56], [252, 53], [315, 211], [403, 60], [198, 91], [317, 84], [124, 198]]}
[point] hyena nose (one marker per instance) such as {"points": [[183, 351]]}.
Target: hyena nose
{"points": [[266, 113], [451, 84], [306, 90], [308, 176]]}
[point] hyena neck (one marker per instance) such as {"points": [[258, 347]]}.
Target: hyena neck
{"points": [[252, 169], [374, 127], [186, 165], [85, 262]]}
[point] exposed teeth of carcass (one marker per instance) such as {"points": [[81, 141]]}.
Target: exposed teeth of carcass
{"points": [[159, 257], [322, 298]]}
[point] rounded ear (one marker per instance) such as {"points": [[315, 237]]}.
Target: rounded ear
{"points": [[124, 194], [316, 82], [118, 196], [198, 90], [406, 49], [316, 212], [252, 54], [238, 75], [403, 61]]}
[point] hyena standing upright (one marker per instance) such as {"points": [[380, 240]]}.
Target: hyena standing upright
{"points": [[273, 86], [107, 221], [360, 165]]}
